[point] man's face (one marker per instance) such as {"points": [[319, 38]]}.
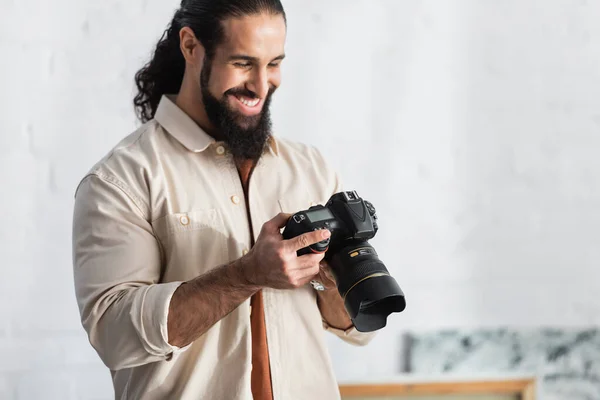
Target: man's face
{"points": [[237, 85]]}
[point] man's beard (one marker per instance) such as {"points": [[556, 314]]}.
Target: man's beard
{"points": [[246, 137]]}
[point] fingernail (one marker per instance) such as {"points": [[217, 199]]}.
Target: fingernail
{"points": [[326, 233]]}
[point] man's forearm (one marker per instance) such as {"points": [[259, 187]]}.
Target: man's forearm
{"points": [[330, 301], [332, 309], [200, 303]]}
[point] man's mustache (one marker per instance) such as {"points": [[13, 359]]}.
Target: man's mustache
{"points": [[247, 93]]}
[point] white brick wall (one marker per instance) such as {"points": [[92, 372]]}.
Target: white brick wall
{"points": [[473, 126]]}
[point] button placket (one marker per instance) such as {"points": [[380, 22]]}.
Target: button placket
{"points": [[233, 193]]}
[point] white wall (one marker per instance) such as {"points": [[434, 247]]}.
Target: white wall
{"points": [[473, 126]]}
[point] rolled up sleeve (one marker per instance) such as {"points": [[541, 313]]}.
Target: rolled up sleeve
{"points": [[117, 268], [350, 335]]}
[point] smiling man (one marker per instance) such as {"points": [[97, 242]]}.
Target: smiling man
{"points": [[185, 285]]}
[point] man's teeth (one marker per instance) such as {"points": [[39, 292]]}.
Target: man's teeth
{"points": [[249, 103]]}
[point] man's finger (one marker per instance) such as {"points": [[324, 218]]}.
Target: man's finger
{"points": [[278, 222], [310, 260], [307, 274], [306, 239]]}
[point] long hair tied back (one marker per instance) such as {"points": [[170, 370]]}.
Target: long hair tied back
{"points": [[163, 74]]}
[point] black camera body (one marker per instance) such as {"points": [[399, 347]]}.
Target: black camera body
{"points": [[345, 215], [370, 294]]}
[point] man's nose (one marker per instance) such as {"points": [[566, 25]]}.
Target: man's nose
{"points": [[259, 83]]}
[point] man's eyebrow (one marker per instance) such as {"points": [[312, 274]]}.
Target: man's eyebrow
{"points": [[244, 57]]}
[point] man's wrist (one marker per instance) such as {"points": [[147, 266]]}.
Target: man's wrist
{"points": [[328, 293], [243, 268], [333, 310]]}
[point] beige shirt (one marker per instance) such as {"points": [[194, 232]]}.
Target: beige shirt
{"points": [[165, 206]]}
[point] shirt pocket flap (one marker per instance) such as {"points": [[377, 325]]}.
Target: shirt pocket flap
{"points": [[194, 220], [192, 243]]}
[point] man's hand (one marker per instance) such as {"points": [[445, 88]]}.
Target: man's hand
{"points": [[330, 302], [273, 261], [325, 276]]}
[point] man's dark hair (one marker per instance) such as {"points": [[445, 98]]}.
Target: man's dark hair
{"points": [[163, 74]]}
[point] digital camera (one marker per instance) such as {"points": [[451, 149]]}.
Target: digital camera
{"points": [[370, 294]]}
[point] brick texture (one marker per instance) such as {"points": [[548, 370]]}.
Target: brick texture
{"points": [[472, 127]]}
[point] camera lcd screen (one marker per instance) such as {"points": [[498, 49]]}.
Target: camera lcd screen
{"points": [[319, 215]]}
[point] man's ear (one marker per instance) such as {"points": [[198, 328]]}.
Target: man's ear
{"points": [[191, 48]]}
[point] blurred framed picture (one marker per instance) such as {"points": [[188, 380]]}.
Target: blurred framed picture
{"points": [[521, 389]]}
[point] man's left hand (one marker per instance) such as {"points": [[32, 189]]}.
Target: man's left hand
{"points": [[325, 276]]}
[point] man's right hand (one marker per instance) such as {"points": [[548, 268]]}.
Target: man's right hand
{"points": [[273, 261]]}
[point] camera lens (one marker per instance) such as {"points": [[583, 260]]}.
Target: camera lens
{"points": [[370, 294]]}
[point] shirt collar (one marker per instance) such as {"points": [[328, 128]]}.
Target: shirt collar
{"points": [[183, 128]]}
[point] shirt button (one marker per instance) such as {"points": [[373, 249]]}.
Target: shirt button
{"points": [[184, 220], [245, 252], [220, 150], [235, 199]]}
